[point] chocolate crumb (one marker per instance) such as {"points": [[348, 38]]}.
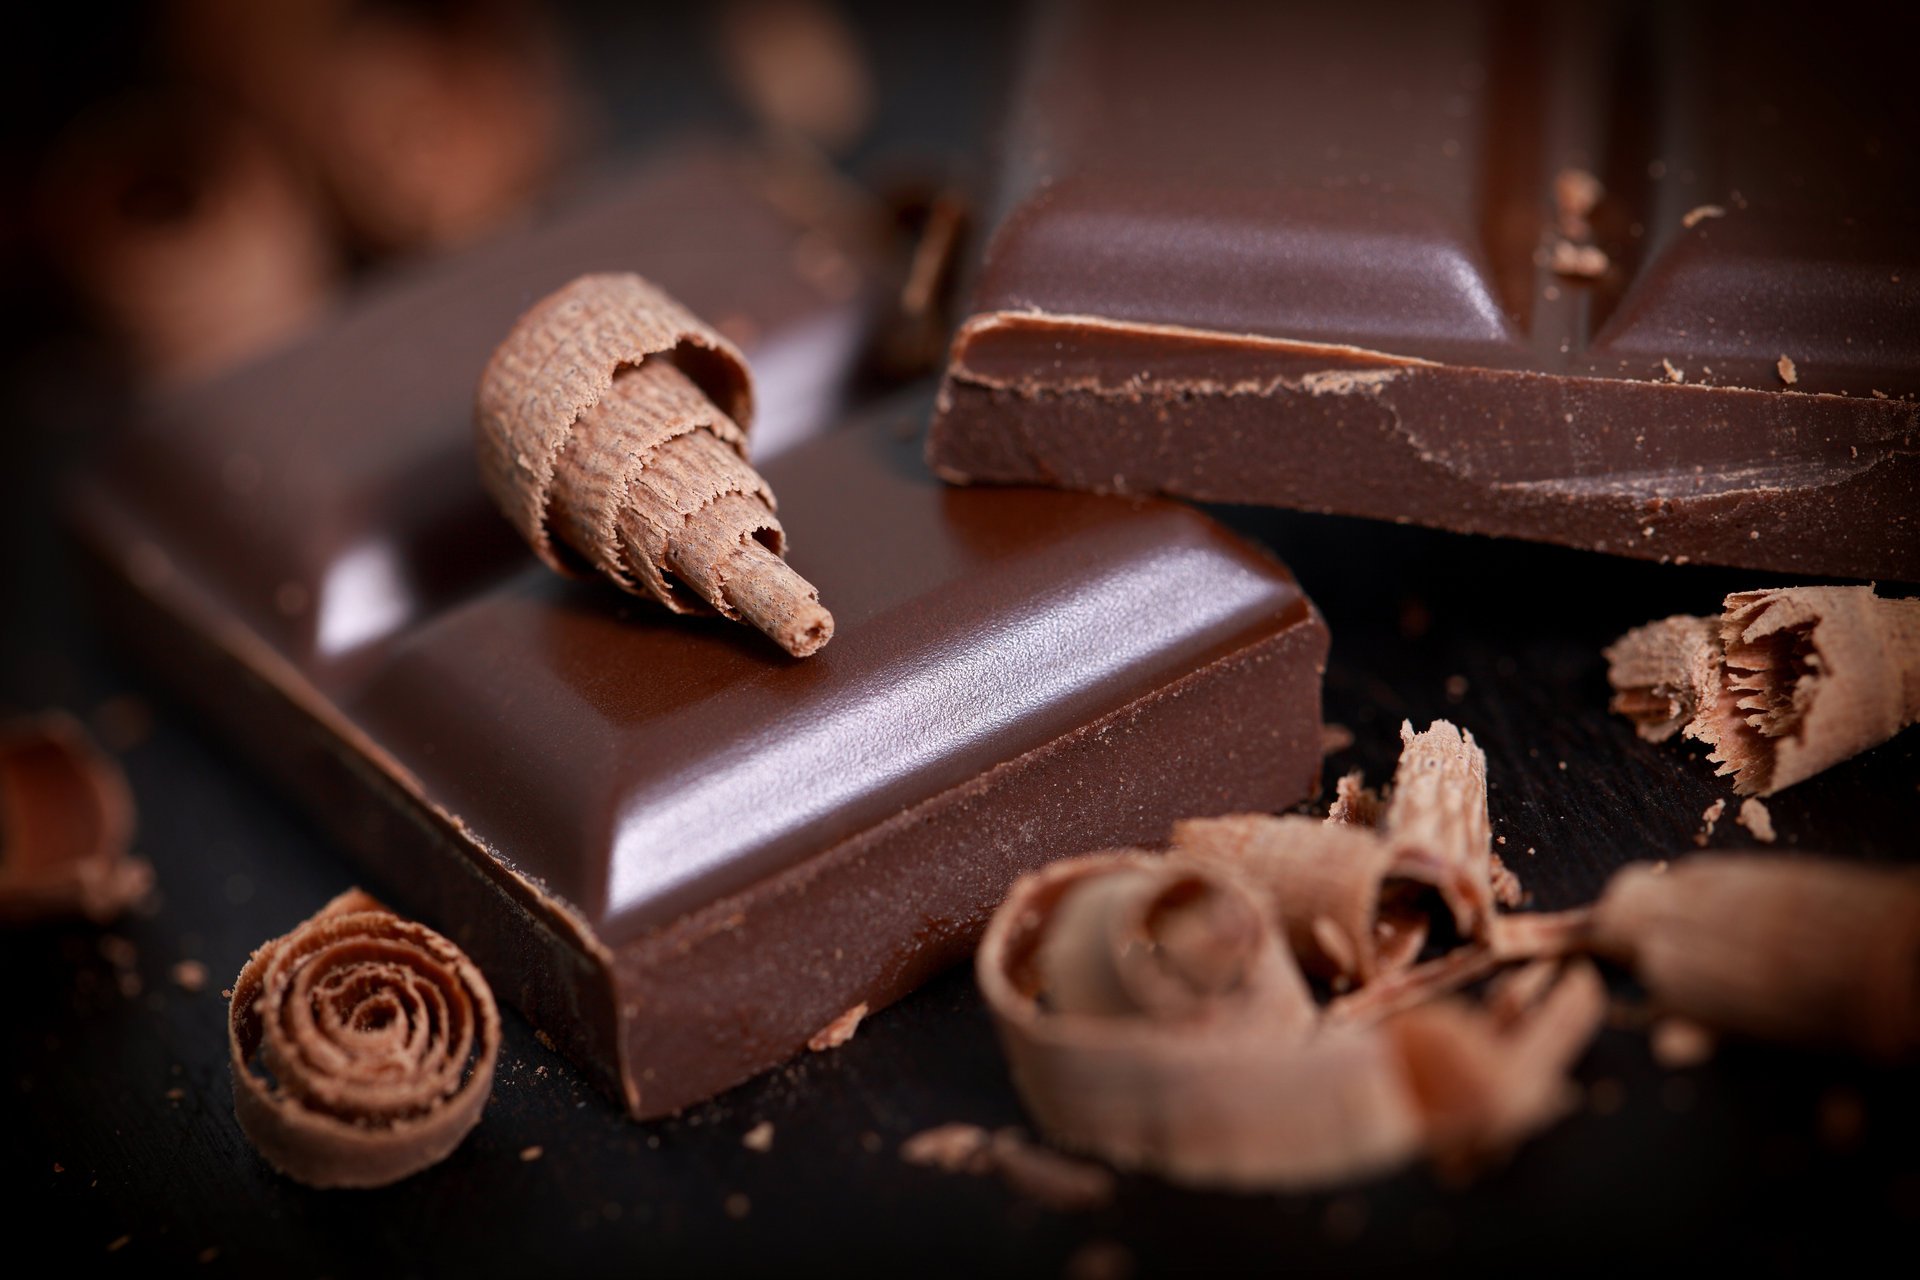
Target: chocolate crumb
{"points": [[190, 976], [956, 1147], [1507, 890], [839, 1031], [1674, 373], [1334, 738], [1681, 1042], [1100, 1260], [1755, 818], [1606, 1096], [1583, 261], [1575, 193], [529, 1154], [1456, 687], [546, 1041], [1788, 373], [1699, 214], [116, 1246], [737, 1206], [1710, 817], [759, 1138]]}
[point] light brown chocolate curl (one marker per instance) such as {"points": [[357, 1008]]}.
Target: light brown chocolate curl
{"points": [[1436, 821], [1814, 675], [66, 822], [1782, 685], [1323, 882], [362, 1047], [1214, 1090], [1778, 948], [613, 420]]}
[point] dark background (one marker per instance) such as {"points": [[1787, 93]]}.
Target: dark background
{"points": [[121, 1149]]}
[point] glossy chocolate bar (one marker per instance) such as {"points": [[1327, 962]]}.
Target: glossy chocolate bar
{"points": [[1352, 258], [679, 852]]}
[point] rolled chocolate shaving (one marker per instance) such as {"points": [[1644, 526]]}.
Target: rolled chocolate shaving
{"points": [[615, 421], [1436, 821], [1322, 881], [1663, 673], [1782, 685], [362, 1047], [1814, 675], [1228, 1091], [66, 825], [1778, 948]]}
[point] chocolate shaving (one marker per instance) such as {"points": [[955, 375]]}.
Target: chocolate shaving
{"points": [[1436, 821], [1322, 881], [615, 420], [1777, 948], [1788, 373], [1782, 685], [1354, 802], [1699, 214], [839, 1031], [1755, 818], [66, 825], [362, 1046], [1057, 1181]]}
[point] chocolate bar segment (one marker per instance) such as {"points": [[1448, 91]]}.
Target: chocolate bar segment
{"points": [[1642, 282], [360, 509], [679, 852]]}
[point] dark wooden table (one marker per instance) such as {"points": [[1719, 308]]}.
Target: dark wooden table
{"points": [[122, 1151]]}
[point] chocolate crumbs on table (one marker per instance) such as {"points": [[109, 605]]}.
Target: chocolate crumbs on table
{"points": [[839, 1031], [362, 1047]]}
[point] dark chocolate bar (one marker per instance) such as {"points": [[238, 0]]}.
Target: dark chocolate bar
{"points": [[682, 854], [1637, 279]]}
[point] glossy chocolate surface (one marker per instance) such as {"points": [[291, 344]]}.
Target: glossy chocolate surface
{"points": [[329, 489], [1217, 211], [681, 852]]}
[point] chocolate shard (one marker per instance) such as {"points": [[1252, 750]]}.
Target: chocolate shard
{"points": [[66, 825], [1226, 269]]}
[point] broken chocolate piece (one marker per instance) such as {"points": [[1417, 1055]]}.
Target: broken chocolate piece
{"points": [[1284, 284], [362, 1047], [1778, 948], [66, 825]]}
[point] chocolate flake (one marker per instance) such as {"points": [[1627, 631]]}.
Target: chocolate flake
{"points": [[839, 1031], [759, 1138], [66, 825], [1788, 373], [1755, 818], [362, 1046], [1699, 214]]}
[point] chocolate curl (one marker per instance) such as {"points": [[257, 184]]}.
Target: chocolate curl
{"points": [[1777, 948], [1151, 1017], [1436, 821], [1321, 880], [1814, 675], [362, 1047], [615, 420], [1663, 673], [66, 823]]}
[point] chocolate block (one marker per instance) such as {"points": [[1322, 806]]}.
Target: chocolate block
{"points": [[679, 852], [1347, 257]]}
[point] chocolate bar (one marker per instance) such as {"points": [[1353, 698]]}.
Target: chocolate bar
{"points": [[684, 855], [1639, 282]]}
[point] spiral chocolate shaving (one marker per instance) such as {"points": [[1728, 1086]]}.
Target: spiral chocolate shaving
{"points": [[363, 1047]]}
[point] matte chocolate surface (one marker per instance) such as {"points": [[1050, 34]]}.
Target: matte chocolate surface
{"points": [[681, 853], [1305, 255]]}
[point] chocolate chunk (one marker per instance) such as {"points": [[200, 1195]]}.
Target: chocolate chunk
{"points": [[682, 854], [1317, 256]]}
